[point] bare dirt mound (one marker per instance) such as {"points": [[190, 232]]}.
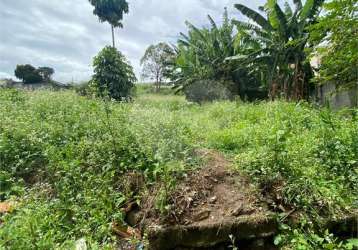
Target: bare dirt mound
{"points": [[210, 208], [212, 193], [206, 206]]}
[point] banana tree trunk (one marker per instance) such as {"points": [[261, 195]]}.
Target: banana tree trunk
{"points": [[301, 85]]}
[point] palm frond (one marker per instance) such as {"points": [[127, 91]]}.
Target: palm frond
{"points": [[184, 36], [246, 26], [256, 17], [310, 9], [195, 29], [212, 22], [288, 10], [183, 42], [298, 4], [283, 24]]}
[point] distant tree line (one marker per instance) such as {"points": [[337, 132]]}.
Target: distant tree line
{"points": [[29, 74], [267, 56]]}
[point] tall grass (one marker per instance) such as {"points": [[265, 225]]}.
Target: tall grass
{"points": [[63, 160], [70, 157]]}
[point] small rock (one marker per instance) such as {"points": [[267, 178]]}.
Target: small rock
{"points": [[134, 217], [213, 199], [214, 180]]}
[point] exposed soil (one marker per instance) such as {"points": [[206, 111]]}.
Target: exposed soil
{"points": [[209, 198], [211, 193], [207, 206], [5, 207]]}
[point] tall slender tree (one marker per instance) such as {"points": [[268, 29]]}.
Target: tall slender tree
{"points": [[155, 63], [111, 11]]}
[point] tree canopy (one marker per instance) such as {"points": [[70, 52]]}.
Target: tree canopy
{"points": [[201, 58], [111, 11], [336, 43], [156, 62], [29, 74], [113, 75], [46, 73], [281, 37]]}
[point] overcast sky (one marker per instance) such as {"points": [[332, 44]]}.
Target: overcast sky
{"points": [[65, 35]]}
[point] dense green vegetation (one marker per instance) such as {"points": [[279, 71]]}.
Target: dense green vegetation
{"points": [[63, 159], [335, 37], [113, 75], [66, 158], [29, 74], [267, 53]]}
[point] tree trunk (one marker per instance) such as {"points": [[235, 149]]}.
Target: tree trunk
{"points": [[160, 83], [274, 90], [296, 82], [157, 83], [114, 43]]}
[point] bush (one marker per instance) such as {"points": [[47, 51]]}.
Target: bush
{"points": [[113, 76], [84, 89], [207, 91]]}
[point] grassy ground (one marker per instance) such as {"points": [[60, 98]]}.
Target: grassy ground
{"points": [[63, 158]]}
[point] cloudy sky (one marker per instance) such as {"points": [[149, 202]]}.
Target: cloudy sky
{"points": [[65, 35]]}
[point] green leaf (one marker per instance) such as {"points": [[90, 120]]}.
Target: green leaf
{"points": [[256, 17], [278, 240]]}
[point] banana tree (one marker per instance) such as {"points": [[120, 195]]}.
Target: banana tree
{"points": [[281, 36], [201, 55]]}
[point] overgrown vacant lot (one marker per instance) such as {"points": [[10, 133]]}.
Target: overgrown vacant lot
{"points": [[65, 160]]}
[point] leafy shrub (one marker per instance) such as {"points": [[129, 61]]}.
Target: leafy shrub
{"points": [[113, 76], [84, 89], [307, 239], [334, 37], [206, 91]]}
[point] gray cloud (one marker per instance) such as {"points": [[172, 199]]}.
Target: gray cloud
{"points": [[65, 35]]}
